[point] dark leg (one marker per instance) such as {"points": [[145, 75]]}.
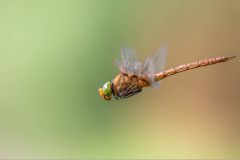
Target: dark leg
{"points": [[127, 94]]}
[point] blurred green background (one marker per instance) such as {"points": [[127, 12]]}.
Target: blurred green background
{"points": [[54, 55]]}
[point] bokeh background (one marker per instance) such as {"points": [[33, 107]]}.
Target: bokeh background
{"points": [[54, 55]]}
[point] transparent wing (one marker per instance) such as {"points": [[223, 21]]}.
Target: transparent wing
{"points": [[155, 64], [119, 65], [130, 63]]}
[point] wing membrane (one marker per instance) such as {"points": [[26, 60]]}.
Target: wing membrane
{"points": [[130, 63], [155, 64]]}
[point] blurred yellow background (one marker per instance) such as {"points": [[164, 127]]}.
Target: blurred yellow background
{"points": [[54, 55]]}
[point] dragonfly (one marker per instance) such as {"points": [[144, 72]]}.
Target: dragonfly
{"points": [[136, 75]]}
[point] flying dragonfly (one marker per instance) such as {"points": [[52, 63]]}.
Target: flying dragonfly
{"points": [[136, 75]]}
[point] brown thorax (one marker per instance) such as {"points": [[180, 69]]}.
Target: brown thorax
{"points": [[126, 85]]}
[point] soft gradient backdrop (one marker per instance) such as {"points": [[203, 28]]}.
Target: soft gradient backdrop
{"points": [[54, 55]]}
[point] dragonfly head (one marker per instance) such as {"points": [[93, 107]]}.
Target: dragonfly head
{"points": [[106, 91]]}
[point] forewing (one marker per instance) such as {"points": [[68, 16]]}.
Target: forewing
{"points": [[155, 64], [130, 63], [119, 65]]}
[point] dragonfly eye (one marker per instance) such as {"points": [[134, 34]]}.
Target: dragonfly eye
{"points": [[106, 91]]}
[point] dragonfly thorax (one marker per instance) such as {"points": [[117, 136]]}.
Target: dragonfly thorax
{"points": [[126, 85]]}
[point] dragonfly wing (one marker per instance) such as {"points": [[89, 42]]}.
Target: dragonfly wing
{"points": [[155, 64], [130, 63], [119, 65]]}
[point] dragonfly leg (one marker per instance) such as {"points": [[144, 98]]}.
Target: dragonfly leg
{"points": [[127, 94], [116, 97]]}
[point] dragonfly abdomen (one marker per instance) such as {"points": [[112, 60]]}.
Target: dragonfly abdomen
{"points": [[188, 66]]}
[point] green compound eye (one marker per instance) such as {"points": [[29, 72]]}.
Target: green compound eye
{"points": [[107, 91]]}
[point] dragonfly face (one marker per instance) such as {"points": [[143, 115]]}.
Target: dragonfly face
{"points": [[106, 91]]}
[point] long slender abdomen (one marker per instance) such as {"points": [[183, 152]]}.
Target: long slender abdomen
{"points": [[192, 65]]}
